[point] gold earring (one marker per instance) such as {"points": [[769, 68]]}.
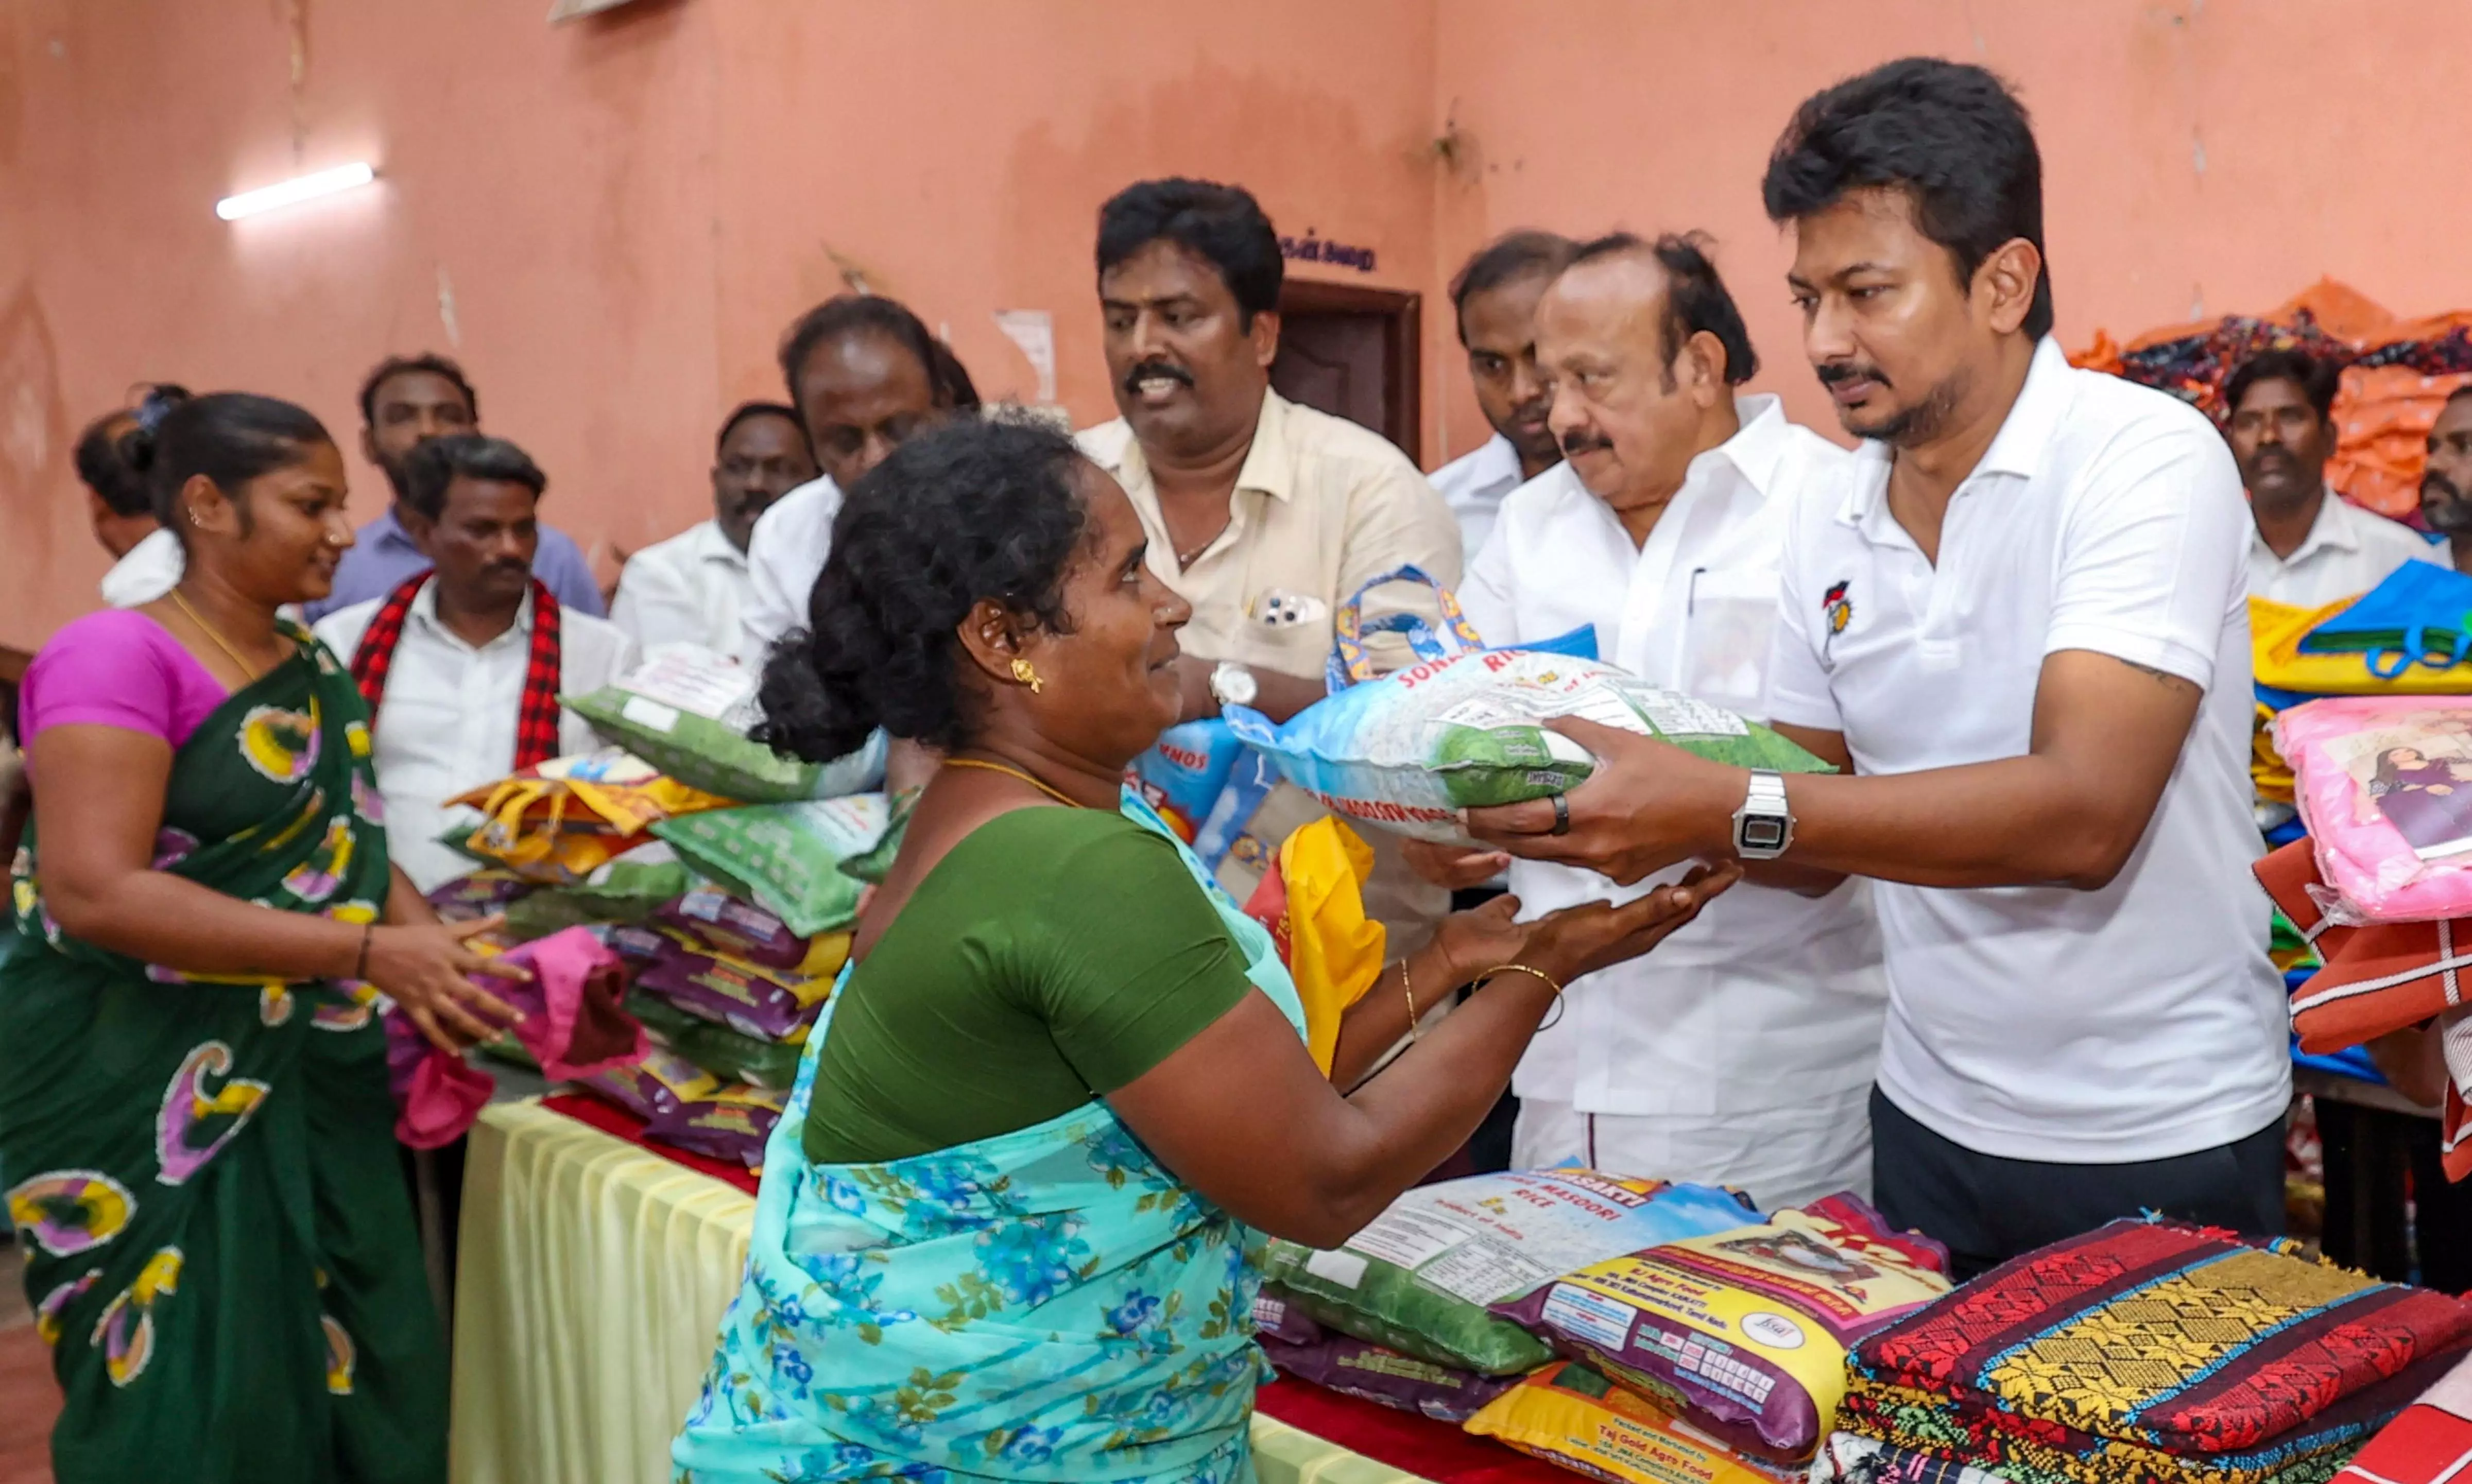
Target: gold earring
{"points": [[1023, 672]]}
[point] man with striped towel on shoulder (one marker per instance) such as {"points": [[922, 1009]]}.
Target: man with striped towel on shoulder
{"points": [[464, 665]]}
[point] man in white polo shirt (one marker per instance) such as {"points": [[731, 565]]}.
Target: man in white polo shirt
{"points": [[2312, 546], [2023, 626], [1741, 1051]]}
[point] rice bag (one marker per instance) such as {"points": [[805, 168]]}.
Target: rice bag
{"points": [[786, 858], [768, 1004], [559, 822], [2385, 784], [871, 866], [654, 1087], [1570, 1415], [1421, 1276], [723, 924], [730, 1124], [688, 711], [1184, 773], [622, 891], [1464, 728], [1275, 1318], [1748, 1329], [1377, 1374], [484, 893], [716, 1049]]}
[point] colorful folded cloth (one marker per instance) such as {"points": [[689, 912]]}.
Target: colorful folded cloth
{"points": [[2430, 1444], [572, 1026], [1846, 1459], [2164, 1336], [2379, 978], [2048, 1454]]}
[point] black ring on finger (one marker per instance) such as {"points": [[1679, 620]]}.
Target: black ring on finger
{"points": [[1561, 815]]}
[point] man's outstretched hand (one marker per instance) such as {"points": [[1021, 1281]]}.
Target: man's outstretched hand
{"points": [[1648, 806]]}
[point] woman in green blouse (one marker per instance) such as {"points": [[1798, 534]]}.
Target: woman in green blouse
{"points": [[1007, 1223]]}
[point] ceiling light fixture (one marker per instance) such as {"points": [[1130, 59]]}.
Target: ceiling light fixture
{"points": [[292, 192]]}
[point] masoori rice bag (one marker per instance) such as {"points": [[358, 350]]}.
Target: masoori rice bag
{"points": [[1745, 1333], [1382, 1375], [1420, 1277], [1464, 728]]}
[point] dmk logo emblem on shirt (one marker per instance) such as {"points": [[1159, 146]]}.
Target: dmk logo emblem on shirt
{"points": [[1839, 612]]}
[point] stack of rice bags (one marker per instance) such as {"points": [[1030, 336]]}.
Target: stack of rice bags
{"points": [[731, 964], [1712, 1356], [2148, 1351]]}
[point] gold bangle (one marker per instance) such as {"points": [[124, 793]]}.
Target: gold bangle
{"points": [[1542, 977], [1408, 986]]}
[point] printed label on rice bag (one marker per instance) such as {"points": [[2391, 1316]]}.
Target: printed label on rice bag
{"points": [[702, 685], [1497, 1237]]}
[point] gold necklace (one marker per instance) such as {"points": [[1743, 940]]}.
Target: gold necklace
{"points": [[1000, 768], [215, 634]]}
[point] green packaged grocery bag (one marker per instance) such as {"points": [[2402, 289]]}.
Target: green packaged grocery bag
{"points": [[622, 891], [2420, 615], [688, 711], [785, 858], [716, 1048], [1420, 1277]]}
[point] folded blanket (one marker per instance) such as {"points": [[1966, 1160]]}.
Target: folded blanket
{"points": [[2430, 1444], [2165, 1335]]}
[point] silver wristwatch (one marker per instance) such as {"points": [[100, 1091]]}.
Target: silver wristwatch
{"points": [[1233, 684], [1763, 827]]}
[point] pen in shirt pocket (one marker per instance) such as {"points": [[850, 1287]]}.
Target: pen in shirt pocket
{"points": [[1691, 592]]}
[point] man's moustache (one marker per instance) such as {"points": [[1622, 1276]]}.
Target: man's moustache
{"points": [[2448, 512], [1835, 371], [1157, 370], [1577, 444]]}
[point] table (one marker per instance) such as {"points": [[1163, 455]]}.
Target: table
{"points": [[592, 1276]]}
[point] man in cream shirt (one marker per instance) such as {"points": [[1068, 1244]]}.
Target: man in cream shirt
{"points": [[693, 588], [1264, 514], [1741, 1052]]}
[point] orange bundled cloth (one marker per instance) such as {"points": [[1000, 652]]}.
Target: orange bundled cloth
{"points": [[2378, 978]]}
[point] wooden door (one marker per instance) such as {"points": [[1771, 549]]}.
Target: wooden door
{"points": [[1352, 352]]}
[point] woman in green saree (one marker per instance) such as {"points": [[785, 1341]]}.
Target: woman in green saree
{"points": [[1008, 1221], [195, 1125]]}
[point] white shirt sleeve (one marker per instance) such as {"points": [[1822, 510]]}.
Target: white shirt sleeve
{"points": [[593, 652], [779, 580], [1798, 691], [657, 602], [2152, 551], [1488, 593]]}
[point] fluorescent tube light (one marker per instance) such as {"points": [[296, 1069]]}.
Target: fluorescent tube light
{"points": [[292, 192]]}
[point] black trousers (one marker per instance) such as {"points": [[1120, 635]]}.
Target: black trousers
{"points": [[1987, 1210], [2375, 1162]]}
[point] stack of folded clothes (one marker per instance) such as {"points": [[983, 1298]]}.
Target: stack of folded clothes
{"points": [[2148, 1351]]}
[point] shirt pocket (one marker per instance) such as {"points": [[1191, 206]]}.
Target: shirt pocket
{"points": [[1727, 625]]}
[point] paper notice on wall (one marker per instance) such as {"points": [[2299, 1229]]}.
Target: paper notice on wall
{"points": [[1033, 330]]}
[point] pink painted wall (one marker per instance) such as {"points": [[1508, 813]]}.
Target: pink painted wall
{"points": [[610, 222], [2201, 157]]}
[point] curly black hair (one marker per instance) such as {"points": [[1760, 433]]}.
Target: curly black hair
{"points": [[975, 509]]}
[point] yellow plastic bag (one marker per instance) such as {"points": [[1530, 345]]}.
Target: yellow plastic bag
{"points": [[564, 819], [1567, 1414], [1332, 950]]}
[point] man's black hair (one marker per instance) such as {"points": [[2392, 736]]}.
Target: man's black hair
{"points": [[844, 315], [1694, 296], [1509, 258], [1949, 134], [427, 361], [747, 409], [1222, 225], [2317, 378], [436, 463]]}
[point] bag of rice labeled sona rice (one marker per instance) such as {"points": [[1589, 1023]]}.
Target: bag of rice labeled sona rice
{"points": [[1746, 1330], [1420, 1278], [785, 858], [688, 711], [1464, 726]]}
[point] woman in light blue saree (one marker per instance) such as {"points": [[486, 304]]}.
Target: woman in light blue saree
{"points": [[1008, 1223]]}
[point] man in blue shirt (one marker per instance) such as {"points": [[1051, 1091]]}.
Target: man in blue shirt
{"points": [[405, 402]]}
